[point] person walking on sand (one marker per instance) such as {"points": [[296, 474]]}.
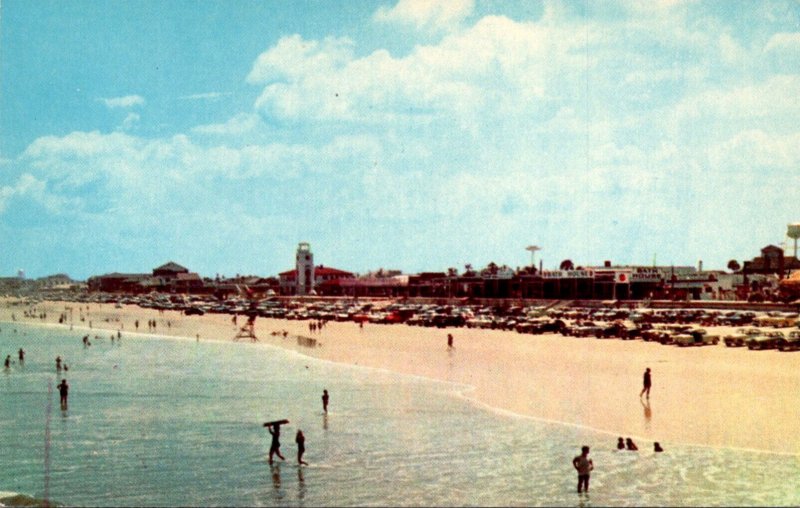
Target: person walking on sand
{"points": [[583, 464], [275, 447], [63, 390], [325, 399], [300, 439], [449, 341], [647, 383]]}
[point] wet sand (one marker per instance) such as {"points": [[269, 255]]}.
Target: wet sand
{"points": [[712, 395]]}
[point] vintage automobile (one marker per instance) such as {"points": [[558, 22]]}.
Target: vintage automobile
{"points": [[790, 343], [695, 337], [766, 340], [777, 320], [739, 338], [583, 329]]}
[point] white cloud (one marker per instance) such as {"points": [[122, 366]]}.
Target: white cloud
{"points": [[242, 123], [28, 187], [756, 150], [293, 58], [207, 96], [775, 97], [431, 15], [783, 42], [130, 121], [497, 66], [123, 102]]}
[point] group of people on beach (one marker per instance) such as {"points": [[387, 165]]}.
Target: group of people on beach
{"points": [[274, 429], [316, 326], [20, 355], [584, 465]]}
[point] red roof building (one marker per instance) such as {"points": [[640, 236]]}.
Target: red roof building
{"points": [[322, 274]]}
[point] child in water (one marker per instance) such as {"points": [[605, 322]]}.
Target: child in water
{"points": [[300, 439]]}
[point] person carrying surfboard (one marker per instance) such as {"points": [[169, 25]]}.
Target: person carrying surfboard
{"points": [[275, 447]]}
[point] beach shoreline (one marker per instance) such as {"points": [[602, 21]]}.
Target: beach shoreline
{"points": [[709, 396]]}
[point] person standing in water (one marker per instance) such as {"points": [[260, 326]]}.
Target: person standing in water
{"points": [[325, 399], [275, 447], [583, 464], [647, 383], [58, 363], [300, 439], [8, 361], [63, 390], [21, 354]]}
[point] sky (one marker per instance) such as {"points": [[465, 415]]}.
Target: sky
{"points": [[414, 134]]}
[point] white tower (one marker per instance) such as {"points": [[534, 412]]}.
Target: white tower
{"points": [[304, 262], [793, 232]]}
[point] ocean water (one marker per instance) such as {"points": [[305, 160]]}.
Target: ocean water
{"points": [[170, 422]]}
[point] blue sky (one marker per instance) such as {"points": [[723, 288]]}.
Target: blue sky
{"points": [[415, 135]]}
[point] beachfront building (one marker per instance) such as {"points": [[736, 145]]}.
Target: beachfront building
{"points": [[772, 261], [290, 284], [167, 278], [308, 279], [606, 282], [170, 270], [394, 286]]}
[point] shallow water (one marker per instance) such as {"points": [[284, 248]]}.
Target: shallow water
{"points": [[175, 422]]}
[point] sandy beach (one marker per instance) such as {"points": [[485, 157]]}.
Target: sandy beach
{"points": [[714, 396]]}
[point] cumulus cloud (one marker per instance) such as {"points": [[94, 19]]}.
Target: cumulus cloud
{"points": [[431, 15], [34, 190], [127, 101], [497, 65]]}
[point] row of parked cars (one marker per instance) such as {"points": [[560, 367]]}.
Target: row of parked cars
{"points": [[755, 338], [681, 327]]}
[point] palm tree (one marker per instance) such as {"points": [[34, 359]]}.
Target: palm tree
{"points": [[733, 265], [566, 265], [468, 271]]}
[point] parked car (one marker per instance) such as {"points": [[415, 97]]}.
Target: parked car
{"points": [[741, 336], [696, 337], [777, 320], [790, 343], [767, 340], [193, 311]]}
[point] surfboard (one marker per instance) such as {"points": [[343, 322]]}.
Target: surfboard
{"points": [[276, 422]]}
